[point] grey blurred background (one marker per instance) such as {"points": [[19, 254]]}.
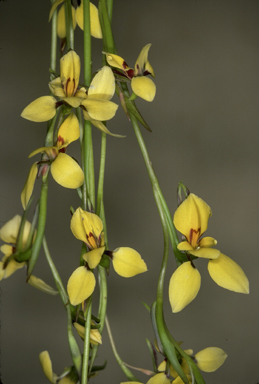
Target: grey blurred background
{"points": [[205, 133]]}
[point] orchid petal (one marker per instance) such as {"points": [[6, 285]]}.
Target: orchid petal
{"points": [[9, 231], [29, 185], [159, 378], [55, 87], [93, 257], [207, 242], [102, 85], [101, 110], [47, 366], [41, 285], [116, 61], [66, 172], [127, 262], [54, 7], [184, 286], [228, 274], [70, 72], [11, 267], [61, 21], [206, 253], [185, 246], [210, 359], [101, 126], [144, 87], [142, 60], [192, 214], [41, 109], [85, 223], [69, 131], [73, 101], [95, 336], [95, 26], [80, 285]]}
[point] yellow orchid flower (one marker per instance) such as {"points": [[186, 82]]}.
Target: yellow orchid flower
{"points": [[64, 169], [191, 219], [9, 233], [77, 17], [141, 85], [63, 87], [88, 227], [97, 106]]}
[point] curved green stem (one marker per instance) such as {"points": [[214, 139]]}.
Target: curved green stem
{"points": [[69, 25], [127, 372]]}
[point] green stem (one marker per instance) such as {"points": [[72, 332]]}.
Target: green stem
{"points": [[105, 19], [160, 201], [87, 138], [69, 25], [101, 175], [41, 226], [127, 372], [86, 345], [74, 349], [53, 49]]}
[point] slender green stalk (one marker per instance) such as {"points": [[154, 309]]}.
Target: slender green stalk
{"points": [[87, 138], [74, 349], [101, 175], [86, 345], [127, 372], [53, 52], [109, 9], [106, 26], [41, 226], [69, 25]]}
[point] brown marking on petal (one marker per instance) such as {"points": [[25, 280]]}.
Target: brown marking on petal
{"points": [[59, 103], [91, 240], [70, 87], [194, 237], [60, 141], [146, 73], [125, 65], [130, 73]]}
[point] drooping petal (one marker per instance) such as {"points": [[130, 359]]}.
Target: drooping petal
{"points": [[101, 126], [144, 87], [6, 249], [70, 72], [67, 172], [85, 223], [101, 110], [61, 21], [210, 359], [185, 246], [178, 380], [116, 61], [80, 285], [95, 26], [93, 257], [102, 85], [29, 185], [127, 262], [206, 253], [142, 60], [41, 109], [54, 7], [184, 286], [193, 214], [95, 336], [47, 366], [41, 285], [228, 274], [159, 378], [69, 131]]}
